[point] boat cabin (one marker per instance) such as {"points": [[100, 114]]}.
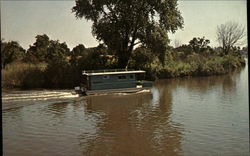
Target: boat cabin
{"points": [[111, 79]]}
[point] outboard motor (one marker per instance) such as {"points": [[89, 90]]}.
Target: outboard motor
{"points": [[81, 90]]}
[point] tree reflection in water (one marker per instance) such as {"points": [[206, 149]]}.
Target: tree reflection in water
{"points": [[143, 123], [134, 124]]}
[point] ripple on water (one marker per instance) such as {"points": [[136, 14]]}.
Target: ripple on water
{"points": [[189, 116]]}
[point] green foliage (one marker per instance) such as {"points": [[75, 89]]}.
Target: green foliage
{"points": [[78, 51], [62, 68], [57, 52], [57, 72], [141, 58], [38, 52], [199, 44], [123, 24], [196, 45], [58, 75], [157, 41], [96, 58], [46, 50], [11, 51], [182, 52], [196, 64]]}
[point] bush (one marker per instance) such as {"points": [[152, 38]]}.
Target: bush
{"points": [[197, 65]]}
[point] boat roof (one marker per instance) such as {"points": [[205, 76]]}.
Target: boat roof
{"points": [[111, 72]]}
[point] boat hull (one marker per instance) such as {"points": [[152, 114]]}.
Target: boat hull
{"points": [[111, 91]]}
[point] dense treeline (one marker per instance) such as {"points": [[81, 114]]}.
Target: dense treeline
{"points": [[51, 64], [134, 35]]}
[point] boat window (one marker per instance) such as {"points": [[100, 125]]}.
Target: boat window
{"points": [[131, 76], [106, 77], [120, 77]]}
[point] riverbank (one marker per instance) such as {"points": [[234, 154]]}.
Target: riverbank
{"points": [[197, 65], [19, 76]]}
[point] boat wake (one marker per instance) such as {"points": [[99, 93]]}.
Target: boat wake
{"points": [[15, 99]]}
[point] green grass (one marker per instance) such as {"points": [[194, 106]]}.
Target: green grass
{"points": [[196, 65]]}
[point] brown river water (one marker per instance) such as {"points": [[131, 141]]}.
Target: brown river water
{"points": [[201, 116]]}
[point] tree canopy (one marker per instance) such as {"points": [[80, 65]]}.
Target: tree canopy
{"points": [[199, 44], [78, 50], [39, 50], [11, 51], [123, 24], [46, 50]]}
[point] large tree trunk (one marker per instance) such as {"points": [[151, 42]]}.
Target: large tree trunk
{"points": [[226, 50], [123, 58], [125, 52]]}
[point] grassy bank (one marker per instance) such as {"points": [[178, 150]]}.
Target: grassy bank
{"points": [[196, 65], [31, 76], [19, 75], [23, 75]]}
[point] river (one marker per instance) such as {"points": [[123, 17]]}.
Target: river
{"points": [[201, 116]]}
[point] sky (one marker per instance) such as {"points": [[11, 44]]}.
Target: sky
{"points": [[22, 20]]}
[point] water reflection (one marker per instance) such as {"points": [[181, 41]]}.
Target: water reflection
{"points": [[209, 108], [146, 123], [136, 124], [201, 84]]}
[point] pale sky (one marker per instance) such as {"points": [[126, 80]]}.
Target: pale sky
{"points": [[22, 20]]}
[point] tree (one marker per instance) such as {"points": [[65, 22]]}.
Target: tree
{"points": [[39, 50], [57, 52], [182, 52], [78, 50], [229, 35], [11, 51], [58, 71], [199, 45], [141, 58], [121, 25], [94, 58]]}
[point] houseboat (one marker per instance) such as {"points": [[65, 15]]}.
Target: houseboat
{"points": [[112, 81]]}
